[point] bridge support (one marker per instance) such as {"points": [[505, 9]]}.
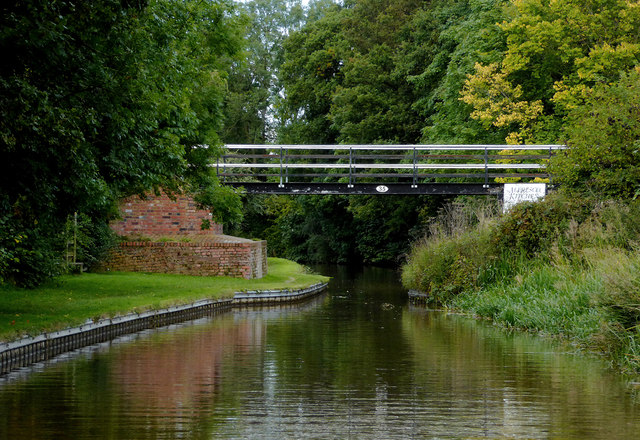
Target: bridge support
{"points": [[370, 188]]}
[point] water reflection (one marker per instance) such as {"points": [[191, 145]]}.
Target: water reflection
{"points": [[517, 385], [357, 363]]}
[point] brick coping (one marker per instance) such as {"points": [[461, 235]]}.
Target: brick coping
{"points": [[181, 240]]}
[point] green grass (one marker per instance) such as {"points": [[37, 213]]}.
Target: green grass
{"points": [[594, 307], [545, 299], [73, 299], [565, 267]]}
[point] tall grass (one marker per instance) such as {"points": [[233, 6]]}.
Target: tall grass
{"points": [[546, 299], [451, 256], [567, 267]]}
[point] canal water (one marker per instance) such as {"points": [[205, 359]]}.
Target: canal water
{"points": [[358, 362]]}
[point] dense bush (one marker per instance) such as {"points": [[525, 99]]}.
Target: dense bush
{"points": [[604, 136], [558, 228], [93, 238], [30, 255], [562, 266], [533, 228], [452, 257]]}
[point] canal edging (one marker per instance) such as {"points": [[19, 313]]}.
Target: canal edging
{"points": [[416, 296], [28, 351], [277, 296]]}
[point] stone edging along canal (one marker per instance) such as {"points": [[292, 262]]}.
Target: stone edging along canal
{"points": [[28, 351]]}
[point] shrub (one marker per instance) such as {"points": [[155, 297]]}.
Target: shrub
{"points": [[604, 139], [532, 228], [94, 239], [28, 255], [450, 259], [33, 253]]}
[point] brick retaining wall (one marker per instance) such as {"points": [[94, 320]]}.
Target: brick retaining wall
{"points": [[218, 256], [166, 237]]}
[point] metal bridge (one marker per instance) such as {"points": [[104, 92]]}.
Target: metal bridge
{"points": [[381, 169]]}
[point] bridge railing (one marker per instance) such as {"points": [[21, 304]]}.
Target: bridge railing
{"points": [[405, 163]]}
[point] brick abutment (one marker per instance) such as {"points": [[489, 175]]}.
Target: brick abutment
{"points": [[164, 235]]}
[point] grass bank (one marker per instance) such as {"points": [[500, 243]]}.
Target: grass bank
{"points": [[565, 267], [72, 299]]}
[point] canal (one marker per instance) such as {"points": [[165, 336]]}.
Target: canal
{"points": [[358, 362]]}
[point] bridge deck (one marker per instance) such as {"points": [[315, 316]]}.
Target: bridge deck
{"points": [[322, 188], [381, 169]]}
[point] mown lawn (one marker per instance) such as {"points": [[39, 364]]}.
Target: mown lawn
{"points": [[73, 299]]}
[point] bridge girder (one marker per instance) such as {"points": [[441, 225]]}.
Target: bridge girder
{"points": [[298, 188]]}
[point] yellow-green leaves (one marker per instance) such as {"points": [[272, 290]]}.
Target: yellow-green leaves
{"points": [[496, 101], [602, 65], [557, 52], [604, 134]]}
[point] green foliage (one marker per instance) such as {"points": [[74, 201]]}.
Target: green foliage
{"points": [[254, 82], [28, 255], [226, 201], [310, 74], [336, 229], [384, 226], [556, 53], [344, 80], [374, 102], [620, 274], [305, 228], [445, 268], [470, 246], [444, 42], [476, 71], [340, 79], [604, 139], [611, 224], [93, 239], [540, 299], [593, 305], [100, 100], [566, 266], [105, 99], [531, 228], [454, 255]]}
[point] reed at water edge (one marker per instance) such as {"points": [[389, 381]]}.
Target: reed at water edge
{"points": [[566, 267]]}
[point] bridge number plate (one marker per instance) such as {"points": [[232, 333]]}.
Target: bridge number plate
{"points": [[382, 188]]}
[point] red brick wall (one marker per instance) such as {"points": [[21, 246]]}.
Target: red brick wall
{"points": [[231, 257], [160, 216], [193, 252]]}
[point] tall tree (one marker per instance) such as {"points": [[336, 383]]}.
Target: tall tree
{"points": [[100, 100], [254, 85], [557, 52], [443, 42], [310, 73]]}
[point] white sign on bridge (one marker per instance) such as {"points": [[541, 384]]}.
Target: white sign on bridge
{"points": [[515, 193]]}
